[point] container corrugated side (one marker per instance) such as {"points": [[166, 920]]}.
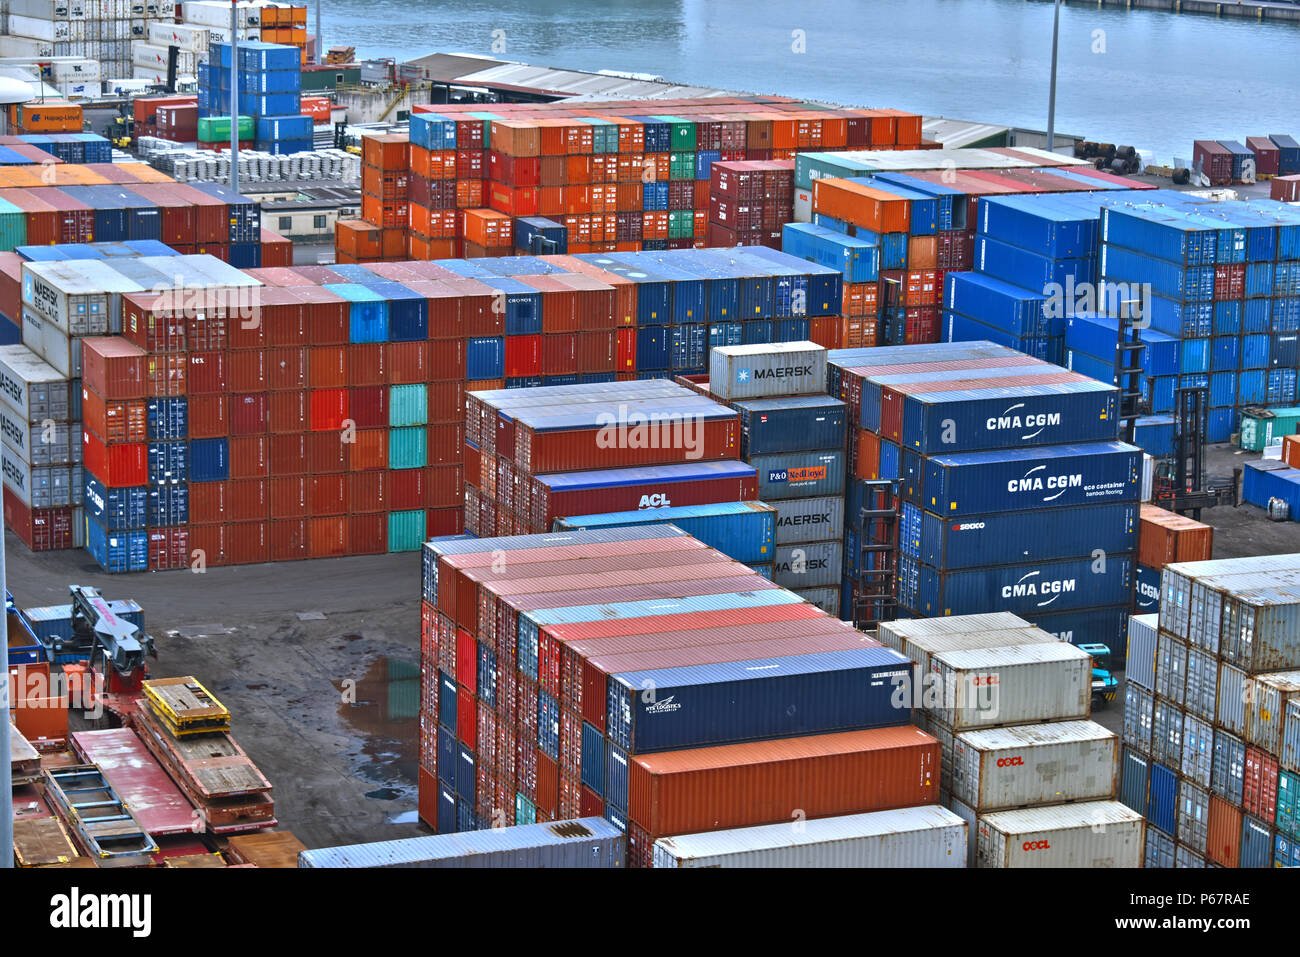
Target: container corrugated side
{"points": [[586, 842], [760, 371], [1140, 667], [1035, 764], [921, 648], [744, 531], [989, 687], [930, 836], [1091, 834], [1267, 700], [893, 631], [809, 519]]}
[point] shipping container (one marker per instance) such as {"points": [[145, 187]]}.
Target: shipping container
{"points": [[1035, 765], [1037, 682], [1090, 834], [760, 371]]}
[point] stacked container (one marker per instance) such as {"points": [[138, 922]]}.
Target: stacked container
{"points": [[41, 454], [749, 201], [792, 434], [1212, 714], [976, 435], [1164, 538], [385, 161], [535, 655], [269, 77], [1009, 705], [448, 168]]}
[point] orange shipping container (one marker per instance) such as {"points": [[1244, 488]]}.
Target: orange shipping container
{"points": [[486, 227], [861, 205], [1164, 538], [389, 151], [357, 238], [1291, 450]]}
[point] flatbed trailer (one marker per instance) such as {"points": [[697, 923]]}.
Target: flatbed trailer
{"points": [[155, 800], [213, 772], [98, 819]]}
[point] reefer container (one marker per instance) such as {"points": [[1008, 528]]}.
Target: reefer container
{"points": [[732, 702], [586, 842], [1040, 534], [31, 387], [767, 782], [1048, 476], [773, 369], [988, 687], [920, 648], [1092, 834], [792, 424], [930, 836], [1034, 764], [744, 531]]}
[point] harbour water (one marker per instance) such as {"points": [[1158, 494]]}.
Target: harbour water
{"points": [[1152, 79]]}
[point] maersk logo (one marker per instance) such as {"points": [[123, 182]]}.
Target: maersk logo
{"points": [[790, 521], [781, 372], [1035, 482], [666, 706], [1029, 587], [1014, 419], [742, 375]]}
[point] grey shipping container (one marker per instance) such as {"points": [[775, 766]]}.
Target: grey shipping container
{"points": [[1198, 750], [1231, 712], [1188, 857], [586, 842], [1261, 628], [1167, 733], [1227, 773], [921, 648], [992, 687], [1256, 843], [1267, 697], [1159, 850], [760, 371], [1142, 641], [1201, 695], [31, 387], [1138, 707], [1090, 834], [827, 599], [955, 625], [38, 444], [1193, 816], [1171, 667], [799, 475], [1134, 777], [1290, 757], [928, 836], [1035, 764], [808, 565], [817, 519]]}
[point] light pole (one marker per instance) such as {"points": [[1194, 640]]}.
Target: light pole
{"points": [[234, 95], [6, 769], [1051, 96]]}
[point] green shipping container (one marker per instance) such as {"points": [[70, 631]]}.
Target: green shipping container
{"points": [[315, 81], [1288, 804], [604, 136], [681, 166], [408, 405], [407, 449], [1265, 428], [681, 224], [525, 810], [13, 226], [683, 132], [216, 129], [406, 530]]}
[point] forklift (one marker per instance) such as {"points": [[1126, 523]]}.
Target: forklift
{"points": [[1105, 686], [114, 666]]}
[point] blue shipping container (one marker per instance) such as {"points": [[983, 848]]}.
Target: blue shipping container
{"points": [[1038, 587]]}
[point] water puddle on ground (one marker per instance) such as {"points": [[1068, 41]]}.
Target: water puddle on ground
{"points": [[383, 710]]}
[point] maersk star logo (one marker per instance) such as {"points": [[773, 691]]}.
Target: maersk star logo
{"points": [[742, 375]]}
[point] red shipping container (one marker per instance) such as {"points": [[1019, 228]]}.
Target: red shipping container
{"points": [[368, 450], [287, 411], [166, 375], [366, 365], [559, 354], [209, 544], [247, 500], [367, 407], [328, 494], [117, 466], [523, 356], [153, 329], [447, 360], [208, 502], [289, 496], [446, 402], [408, 362], [40, 529], [1223, 842], [326, 453], [368, 534], [1259, 789], [466, 723], [329, 408], [286, 368], [248, 414], [208, 416], [206, 374], [249, 456], [212, 216], [249, 543], [247, 370], [169, 548], [445, 486], [547, 788], [113, 367], [445, 444], [325, 315], [576, 449], [288, 539], [288, 454], [405, 489], [114, 422], [327, 537], [366, 492], [179, 221]]}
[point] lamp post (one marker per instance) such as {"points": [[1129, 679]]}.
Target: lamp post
{"points": [[234, 95], [1051, 96]]}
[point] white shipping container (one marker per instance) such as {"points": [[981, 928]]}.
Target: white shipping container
{"points": [[40, 486], [183, 36], [968, 815], [1198, 750], [12, 46], [81, 69], [52, 344], [808, 564], [760, 371], [210, 14], [37, 443], [51, 30], [1090, 835], [1034, 764], [922, 649], [803, 206], [1171, 667], [1201, 696], [81, 297], [77, 89], [929, 836], [1290, 756], [48, 9], [809, 519], [1267, 697], [988, 687], [31, 388], [893, 633], [1232, 699], [155, 57], [1142, 639], [1148, 477]]}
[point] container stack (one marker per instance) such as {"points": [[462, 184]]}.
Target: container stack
{"points": [[47, 116], [385, 192], [41, 455], [447, 175], [989, 447], [749, 201], [792, 434], [1212, 716], [1163, 539], [535, 653], [203, 22], [270, 85], [97, 30], [1022, 763]]}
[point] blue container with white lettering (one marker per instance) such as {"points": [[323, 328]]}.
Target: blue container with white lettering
{"points": [[1036, 587]]}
